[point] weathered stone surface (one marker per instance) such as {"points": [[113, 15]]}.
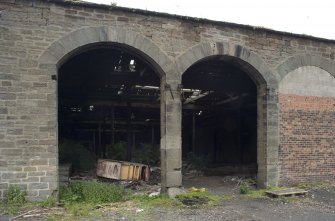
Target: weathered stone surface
{"points": [[35, 44], [38, 186], [174, 191], [173, 178]]}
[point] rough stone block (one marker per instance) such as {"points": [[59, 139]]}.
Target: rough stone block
{"points": [[45, 193], [174, 179], [173, 159], [173, 191], [11, 152], [38, 186], [7, 96], [38, 174], [38, 162], [29, 169], [3, 186], [14, 131], [3, 110]]}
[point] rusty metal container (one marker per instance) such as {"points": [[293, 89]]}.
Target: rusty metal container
{"points": [[120, 170]]}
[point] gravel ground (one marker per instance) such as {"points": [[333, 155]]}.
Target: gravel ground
{"points": [[317, 205]]}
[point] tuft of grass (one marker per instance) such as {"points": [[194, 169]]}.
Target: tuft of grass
{"points": [[15, 196], [245, 188], [145, 202], [14, 200], [49, 202], [92, 192], [314, 185], [260, 193], [80, 209], [80, 198]]}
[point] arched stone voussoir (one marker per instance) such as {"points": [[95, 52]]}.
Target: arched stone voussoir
{"points": [[205, 50], [59, 50], [294, 62]]}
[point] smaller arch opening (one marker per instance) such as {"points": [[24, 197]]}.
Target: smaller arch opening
{"points": [[108, 106], [220, 119]]}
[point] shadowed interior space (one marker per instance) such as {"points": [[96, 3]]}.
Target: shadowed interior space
{"points": [[108, 107], [219, 120]]}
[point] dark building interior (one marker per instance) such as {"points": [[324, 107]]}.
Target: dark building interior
{"points": [[220, 116], [109, 95]]}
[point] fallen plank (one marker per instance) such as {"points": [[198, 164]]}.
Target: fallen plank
{"points": [[286, 192]]}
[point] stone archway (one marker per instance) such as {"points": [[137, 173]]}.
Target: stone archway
{"points": [[267, 84], [294, 62], [68, 45], [59, 51]]}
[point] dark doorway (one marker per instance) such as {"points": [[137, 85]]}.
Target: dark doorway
{"points": [[109, 104], [220, 118]]}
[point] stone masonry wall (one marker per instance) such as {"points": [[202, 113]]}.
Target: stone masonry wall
{"points": [[28, 95]]}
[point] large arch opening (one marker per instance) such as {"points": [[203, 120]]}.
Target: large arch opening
{"points": [[108, 107], [219, 120]]}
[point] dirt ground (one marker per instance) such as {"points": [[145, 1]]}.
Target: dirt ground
{"points": [[317, 205]]}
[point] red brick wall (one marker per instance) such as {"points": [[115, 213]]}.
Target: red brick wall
{"points": [[307, 138]]}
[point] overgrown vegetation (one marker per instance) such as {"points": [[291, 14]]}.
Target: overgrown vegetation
{"points": [[15, 196], [196, 162], [14, 200], [91, 192], [245, 188], [77, 154], [144, 153], [145, 202], [191, 199], [117, 151], [314, 185], [49, 202], [250, 191]]}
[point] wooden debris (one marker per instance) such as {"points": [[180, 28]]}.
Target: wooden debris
{"points": [[286, 192], [121, 170], [32, 213]]}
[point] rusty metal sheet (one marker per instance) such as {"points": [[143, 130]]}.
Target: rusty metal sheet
{"points": [[121, 170], [109, 169]]}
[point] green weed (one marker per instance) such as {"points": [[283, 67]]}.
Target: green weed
{"points": [[314, 185], [77, 154], [15, 196], [145, 202], [245, 188], [91, 192], [14, 200], [49, 202], [260, 193]]}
